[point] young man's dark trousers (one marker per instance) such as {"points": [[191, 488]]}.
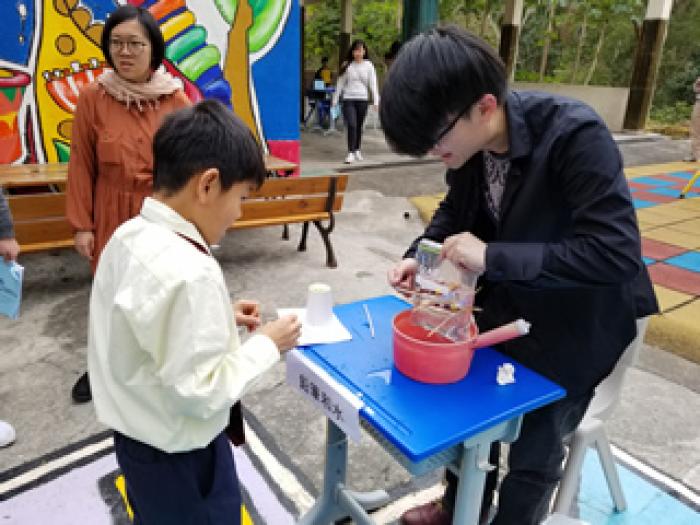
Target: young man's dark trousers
{"points": [[354, 113], [534, 464], [184, 488]]}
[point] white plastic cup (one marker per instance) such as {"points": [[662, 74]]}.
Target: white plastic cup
{"points": [[319, 304]]}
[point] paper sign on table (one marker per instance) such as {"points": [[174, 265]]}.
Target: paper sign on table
{"points": [[333, 399], [330, 332], [11, 275]]}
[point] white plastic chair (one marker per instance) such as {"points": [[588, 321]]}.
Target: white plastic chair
{"points": [[591, 431]]}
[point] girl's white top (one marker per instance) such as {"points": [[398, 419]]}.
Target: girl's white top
{"points": [[359, 79]]}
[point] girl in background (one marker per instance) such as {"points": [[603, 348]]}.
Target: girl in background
{"points": [[357, 79]]}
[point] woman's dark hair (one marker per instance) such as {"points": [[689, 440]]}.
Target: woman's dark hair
{"points": [[206, 135], [348, 56], [436, 76], [145, 18]]}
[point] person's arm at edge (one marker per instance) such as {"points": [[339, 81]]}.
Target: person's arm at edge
{"points": [[9, 249]]}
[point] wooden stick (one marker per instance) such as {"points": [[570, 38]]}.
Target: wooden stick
{"points": [[441, 324]]}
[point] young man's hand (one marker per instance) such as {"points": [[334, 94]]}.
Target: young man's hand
{"points": [[247, 313], [85, 244], [284, 332], [9, 249], [403, 274], [466, 251]]}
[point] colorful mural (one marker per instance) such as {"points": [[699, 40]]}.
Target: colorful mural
{"points": [[236, 51]]}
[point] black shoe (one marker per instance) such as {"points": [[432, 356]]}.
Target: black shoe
{"points": [[81, 390]]}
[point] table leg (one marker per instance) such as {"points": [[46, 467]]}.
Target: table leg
{"points": [[325, 510], [335, 501], [471, 484], [473, 468]]}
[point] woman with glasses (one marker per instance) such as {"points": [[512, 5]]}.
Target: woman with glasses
{"points": [[111, 161]]}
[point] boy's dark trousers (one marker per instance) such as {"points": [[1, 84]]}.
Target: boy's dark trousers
{"points": [[185, 488], [534, 464]]}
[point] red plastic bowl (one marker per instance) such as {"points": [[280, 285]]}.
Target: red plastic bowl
{"points": [[433, 359]]}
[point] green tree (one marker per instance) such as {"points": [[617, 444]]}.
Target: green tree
{"points": [[375, 21]]}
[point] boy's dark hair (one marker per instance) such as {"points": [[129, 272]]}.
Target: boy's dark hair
{"points": [[206, 135], [435, 77], [145, 18]]}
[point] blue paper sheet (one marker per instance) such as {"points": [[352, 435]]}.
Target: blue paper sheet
{"points": [[11, 275]]}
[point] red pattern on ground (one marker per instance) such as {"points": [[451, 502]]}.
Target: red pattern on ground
{"points": [[675, 278], [660, 250], [653, 197]]}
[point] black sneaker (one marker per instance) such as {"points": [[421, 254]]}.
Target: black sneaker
{"points": [[81, 390]]}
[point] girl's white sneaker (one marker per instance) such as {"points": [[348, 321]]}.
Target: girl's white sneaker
{"points": [[350, 158], [7, 434], [358, 155]]}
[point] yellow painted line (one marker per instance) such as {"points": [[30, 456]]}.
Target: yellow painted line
{"points": [[654, 169], [245, 518], [671, 236], [688, 314], [652, 218], [120, 483], [691, 227], [669, 298]]}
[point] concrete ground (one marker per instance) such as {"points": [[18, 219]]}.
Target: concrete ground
{"points": [[43, 352]]}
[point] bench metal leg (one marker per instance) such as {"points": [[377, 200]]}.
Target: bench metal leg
{"points": [[326, 236], [285, 232], [304, 233]]}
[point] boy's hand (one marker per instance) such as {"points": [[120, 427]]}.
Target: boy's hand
{"points": [[9, 249], [284, 332], [247, 313], [85, 244]]}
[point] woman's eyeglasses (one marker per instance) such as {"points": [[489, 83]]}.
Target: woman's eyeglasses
{"points": [[134, 47], [451, 125]]}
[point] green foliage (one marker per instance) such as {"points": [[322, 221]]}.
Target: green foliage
{"points": [[375, 21], [673, 113], [576, 41], [321, 30]]}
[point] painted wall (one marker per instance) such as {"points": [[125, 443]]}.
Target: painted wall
{"points": [[242, 52]]}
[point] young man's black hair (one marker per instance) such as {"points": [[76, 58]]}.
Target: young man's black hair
{"points": [[206, 135], [145, 18], [438, 75]]}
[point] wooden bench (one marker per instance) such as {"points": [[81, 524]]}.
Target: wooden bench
{"points": [[294, 200], [40, 222]]}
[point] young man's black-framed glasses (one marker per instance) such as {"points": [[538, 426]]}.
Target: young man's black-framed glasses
{"points": [[451, 125]]}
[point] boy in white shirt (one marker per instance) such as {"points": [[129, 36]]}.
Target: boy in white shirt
{"points": [[164, 357]]}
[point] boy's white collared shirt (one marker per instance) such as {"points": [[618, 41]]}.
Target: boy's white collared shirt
{"points": [[164, 357]]}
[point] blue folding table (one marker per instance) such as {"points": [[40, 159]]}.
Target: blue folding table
{"points": [[422, 426]]}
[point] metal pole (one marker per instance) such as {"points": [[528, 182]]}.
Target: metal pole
{"points": [[510, 34], [646, 63]]}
